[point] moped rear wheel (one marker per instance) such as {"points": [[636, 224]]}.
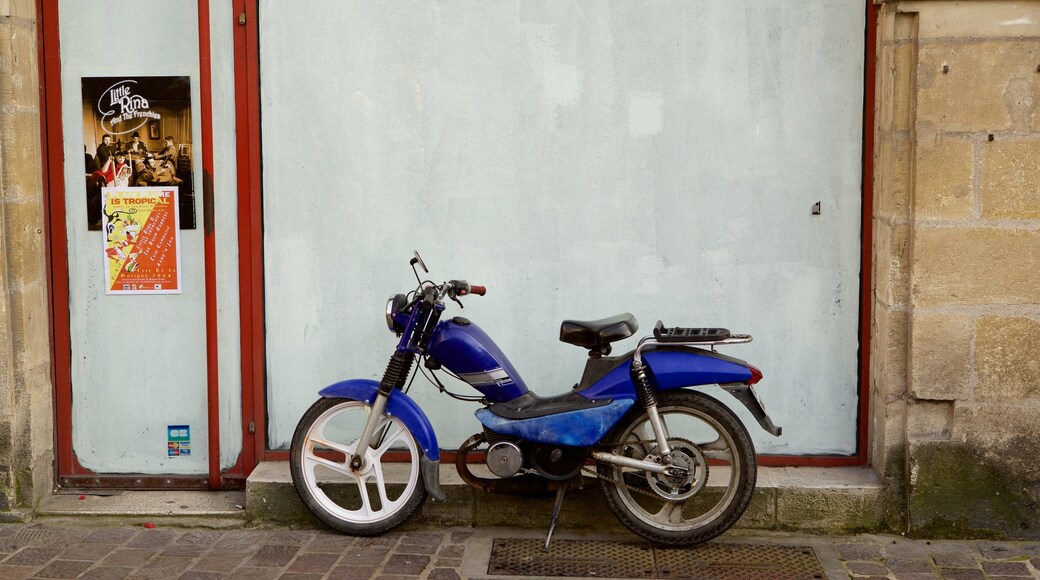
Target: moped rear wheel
{"points": [[378, 496], [706, 438]]}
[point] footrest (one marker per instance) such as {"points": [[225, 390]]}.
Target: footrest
{"points": [[679, 334]]}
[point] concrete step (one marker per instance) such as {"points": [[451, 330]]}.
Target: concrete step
{"points": [[209, 509], [832, 499]]}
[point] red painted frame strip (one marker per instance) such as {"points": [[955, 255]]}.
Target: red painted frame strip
{"points": [[250, 232], [57, 256], [212, 368], [866, 290]]}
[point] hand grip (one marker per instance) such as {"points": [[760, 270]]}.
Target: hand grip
{"points": [[478, 290]]}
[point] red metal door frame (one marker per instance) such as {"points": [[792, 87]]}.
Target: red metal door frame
{"points": [[70, 472], [247, 87]]}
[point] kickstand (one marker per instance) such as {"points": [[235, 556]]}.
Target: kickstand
{"points": [[555, 516]]}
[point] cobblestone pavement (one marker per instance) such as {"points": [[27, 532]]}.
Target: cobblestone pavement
{"points": [[95, 549]]}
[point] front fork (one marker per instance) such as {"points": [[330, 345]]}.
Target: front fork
{"points": [[396, 374]]}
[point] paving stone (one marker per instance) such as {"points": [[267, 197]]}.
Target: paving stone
{"points": [[110, 536], [220, 561], [160, 567], [908, 550], [387, 541], [328, 543], [415, 549], [273, 556], [961, 574], [152, 539], [1006, 569], [867, 568], [182, 551], [351, 572], [916, 576], [132, 557], [452, 551], [460, 537], [859, 551], [106, 573], [1031, 549], [64, 569], [991, 551], [447, 562], [254, 573], [240, 540], [898, 565], [31, 557], [199, 575], [443, 574], [372, 556], [313, 563], [291, 537], [406, 564], [17, 572], [423, 539], [87, 552], [954, 561], [201, 537], [394, 577], [299, 576]]}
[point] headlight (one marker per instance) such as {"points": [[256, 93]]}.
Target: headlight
{"points": [[394, 306]]}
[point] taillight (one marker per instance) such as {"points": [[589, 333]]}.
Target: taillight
{"points": [[756, 375]]}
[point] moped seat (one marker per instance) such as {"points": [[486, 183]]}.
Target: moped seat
{"points": [[598, 334]]}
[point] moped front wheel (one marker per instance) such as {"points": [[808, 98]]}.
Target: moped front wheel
{"points": [[367, 499], [713, 447]]}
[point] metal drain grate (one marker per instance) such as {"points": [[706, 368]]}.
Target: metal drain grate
{"points": [[738, 562], [571, 558]]}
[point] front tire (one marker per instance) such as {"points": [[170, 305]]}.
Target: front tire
{"points": [[705, 436], [371, 500]]}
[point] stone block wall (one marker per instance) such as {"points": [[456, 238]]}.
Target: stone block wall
{"points": [[26, 415], [955, 391]]}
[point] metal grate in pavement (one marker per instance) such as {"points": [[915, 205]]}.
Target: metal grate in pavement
{"points": [[714, 561]]}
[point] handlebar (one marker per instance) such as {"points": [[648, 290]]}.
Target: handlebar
{"points": [[452, 289]]}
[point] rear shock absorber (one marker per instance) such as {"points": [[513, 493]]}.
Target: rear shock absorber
{"points": [[645, 392], [644, 388]]}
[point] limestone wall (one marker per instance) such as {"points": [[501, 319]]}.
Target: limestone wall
{"points": [[956, 332], [26, 415]]}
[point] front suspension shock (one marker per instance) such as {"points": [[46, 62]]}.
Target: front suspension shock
{"points": [[397, 371]]}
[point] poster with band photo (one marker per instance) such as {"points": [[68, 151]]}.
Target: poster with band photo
{"points": [[137, 133]]}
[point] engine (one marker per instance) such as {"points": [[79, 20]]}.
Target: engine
{"points": [[507, 457]]}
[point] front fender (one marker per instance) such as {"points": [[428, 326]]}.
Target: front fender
{"points": [[399, 405]]}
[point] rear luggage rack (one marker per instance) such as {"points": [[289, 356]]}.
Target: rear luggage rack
{"points": [[698, 336], [678, 336]]}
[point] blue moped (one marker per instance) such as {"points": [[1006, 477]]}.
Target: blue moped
{"points": [[677, 466]]}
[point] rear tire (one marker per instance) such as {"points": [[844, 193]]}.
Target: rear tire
{"points": [[367, 501], [700, 430]]}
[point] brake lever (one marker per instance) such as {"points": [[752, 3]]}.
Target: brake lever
{"points": [[457, 301]]}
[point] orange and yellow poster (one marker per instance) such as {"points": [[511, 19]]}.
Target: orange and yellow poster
{"points": [[142, 241]]}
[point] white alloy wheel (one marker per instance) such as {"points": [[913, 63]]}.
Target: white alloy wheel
{"points": [[371, 499]]}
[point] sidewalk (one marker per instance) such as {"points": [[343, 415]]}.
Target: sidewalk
{"points": [[119, 549]]}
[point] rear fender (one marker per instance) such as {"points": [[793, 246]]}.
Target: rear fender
{"points": [[678, 367]]}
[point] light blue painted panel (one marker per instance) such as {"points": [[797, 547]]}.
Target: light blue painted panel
{"points": [[582, 159]]}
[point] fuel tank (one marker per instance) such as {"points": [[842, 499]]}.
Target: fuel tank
{"points": [[466, 350]]}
